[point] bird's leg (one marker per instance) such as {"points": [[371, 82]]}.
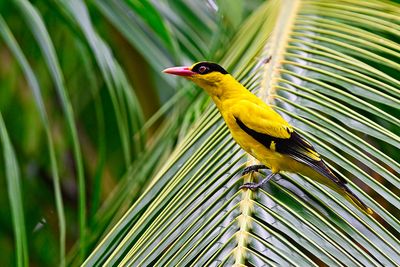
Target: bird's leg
{"points": [[253, 168], [254, 186]]}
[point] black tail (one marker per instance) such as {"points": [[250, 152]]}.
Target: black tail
{"points": [[348, 194]]}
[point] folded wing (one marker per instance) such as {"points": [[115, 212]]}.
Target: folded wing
{"points": [[290, 144]]}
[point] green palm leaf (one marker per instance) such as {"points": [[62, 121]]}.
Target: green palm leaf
{"points": [[333, 76]]}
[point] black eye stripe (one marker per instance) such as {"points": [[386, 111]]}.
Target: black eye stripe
{"points": [[208, 67]]}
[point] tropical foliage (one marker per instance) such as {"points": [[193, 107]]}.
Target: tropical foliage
{"points": [[108, 161]]}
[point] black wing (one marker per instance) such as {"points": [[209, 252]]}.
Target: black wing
{"points": [[295, 147]]}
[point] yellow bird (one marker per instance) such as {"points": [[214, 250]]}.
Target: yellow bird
{"points": [[262, 132]]}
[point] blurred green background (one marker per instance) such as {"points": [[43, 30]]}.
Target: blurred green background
{"points": [[88, 119]]}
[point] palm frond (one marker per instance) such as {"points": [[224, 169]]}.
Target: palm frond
{"points": [[334, 78]]}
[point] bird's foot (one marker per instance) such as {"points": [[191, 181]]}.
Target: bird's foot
{"points": [[255, 186], [253, 168], [251, 186]]}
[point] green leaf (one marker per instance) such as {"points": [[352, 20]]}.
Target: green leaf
{"points": [[34, 21], [34, 85], [14, 188]]}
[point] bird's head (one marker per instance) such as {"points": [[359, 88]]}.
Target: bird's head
{"points": [[209, 76]]}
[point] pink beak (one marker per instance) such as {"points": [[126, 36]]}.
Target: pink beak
{"points": [[180, 71]]}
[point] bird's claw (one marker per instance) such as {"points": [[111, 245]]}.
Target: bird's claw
{"points": [[247, 170], [251, 186], [252, 168], [255, 186]]}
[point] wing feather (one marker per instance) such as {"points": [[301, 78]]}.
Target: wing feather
{"points": [[301, 150], [261, 118], [295, 146]]}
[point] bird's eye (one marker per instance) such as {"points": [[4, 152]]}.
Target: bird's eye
{"points": [[203, 69]]}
